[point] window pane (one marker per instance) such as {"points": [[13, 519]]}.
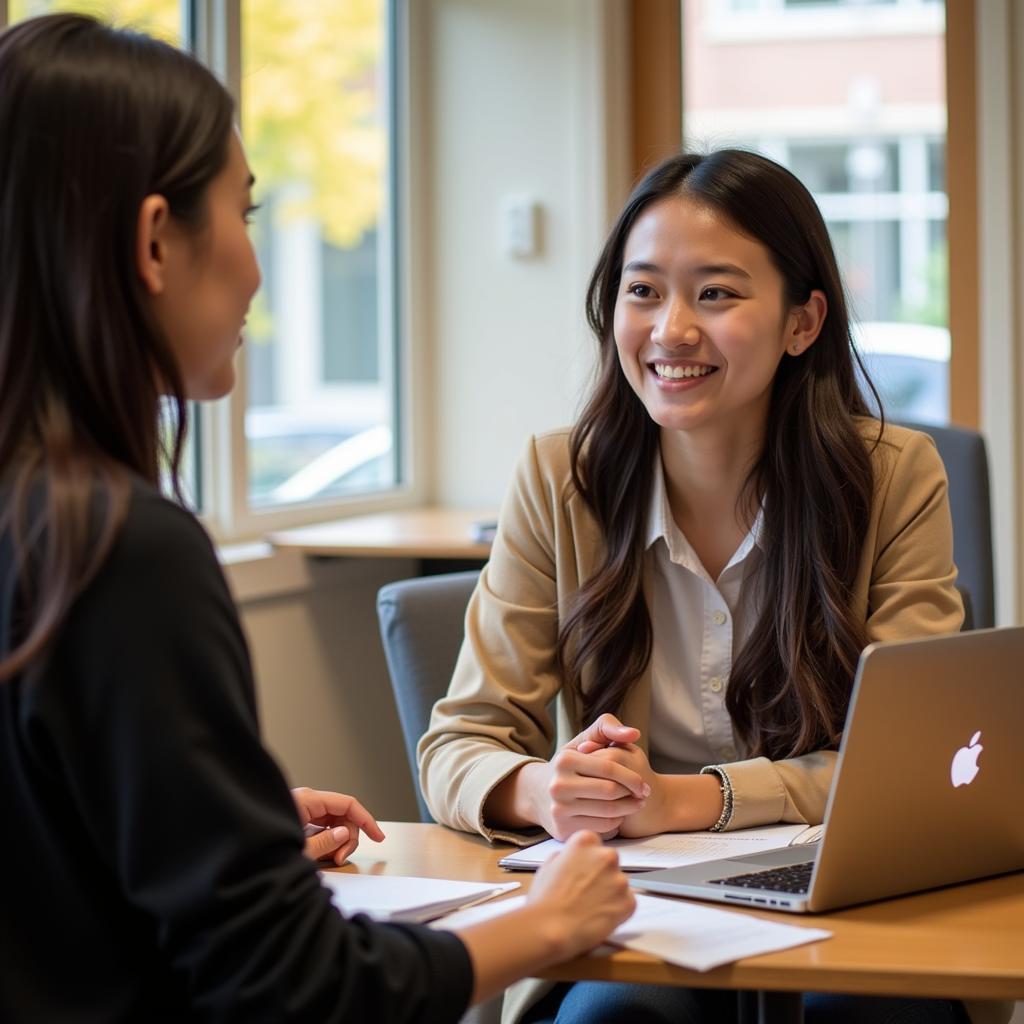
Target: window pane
{"points": [[842, 167], [161, 18], [320, 421], [936, 166], [856, 109]]}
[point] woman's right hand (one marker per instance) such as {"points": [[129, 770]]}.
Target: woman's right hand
{"points": [[573, 792], [584, 894]]}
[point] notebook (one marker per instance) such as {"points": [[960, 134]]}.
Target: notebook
{"points": [[405, 898], [927, 788]]}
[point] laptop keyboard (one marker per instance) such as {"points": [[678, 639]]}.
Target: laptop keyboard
{"points": [[795, 878]]}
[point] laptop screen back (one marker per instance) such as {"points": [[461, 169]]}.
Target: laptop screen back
{"points": [[930, 778]]}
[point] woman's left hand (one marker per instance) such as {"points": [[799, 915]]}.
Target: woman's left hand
{"points": [[334, 822]]}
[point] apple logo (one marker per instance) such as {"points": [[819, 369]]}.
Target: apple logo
{"points": [[965, 762]]}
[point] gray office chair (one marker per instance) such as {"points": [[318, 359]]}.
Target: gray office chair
{"points": [[421, 625], [966, 461]]}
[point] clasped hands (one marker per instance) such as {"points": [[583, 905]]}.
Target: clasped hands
{"points": [[602, 781]]}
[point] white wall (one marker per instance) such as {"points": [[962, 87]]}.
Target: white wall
{"points": [[524, 98], [324, 694]]}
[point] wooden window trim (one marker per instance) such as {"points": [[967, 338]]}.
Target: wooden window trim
{"points": [[656, 78], [962, 221]]}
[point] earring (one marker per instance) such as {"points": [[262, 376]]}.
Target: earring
{"points": [[795, 348]]}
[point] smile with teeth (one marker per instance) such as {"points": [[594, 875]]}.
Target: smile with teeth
{"points": [[667, 372]]}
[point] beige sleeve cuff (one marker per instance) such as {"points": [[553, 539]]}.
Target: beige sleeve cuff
{"points": [[758, 795], [485, 774]]}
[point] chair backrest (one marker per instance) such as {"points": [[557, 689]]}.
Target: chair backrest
{"points": [[963, 453], [421, 624]]}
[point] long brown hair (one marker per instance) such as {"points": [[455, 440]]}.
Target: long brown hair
{"points": [[92, 120], [790, 684]]}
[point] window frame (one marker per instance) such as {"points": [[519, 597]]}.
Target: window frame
{"points": [[215, 30], [212, 31]]}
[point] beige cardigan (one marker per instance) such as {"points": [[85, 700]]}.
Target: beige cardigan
{"points": [[496, 717]]}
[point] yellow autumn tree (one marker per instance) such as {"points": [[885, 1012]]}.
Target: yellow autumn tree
{"points": [[159, 18], [312, 109], [312, 103]]}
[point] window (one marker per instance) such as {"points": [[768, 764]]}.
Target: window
{"points": [[320, 420], [161, 18], [850, 95], [315, 422]]}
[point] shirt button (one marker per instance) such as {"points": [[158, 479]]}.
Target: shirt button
{"points": [[718, 618], [715, 683]]}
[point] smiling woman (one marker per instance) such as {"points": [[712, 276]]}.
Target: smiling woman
{"points": [[775, 331], [691, 572]]}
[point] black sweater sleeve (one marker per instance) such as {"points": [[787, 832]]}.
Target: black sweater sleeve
{"points": [[149, 703]]}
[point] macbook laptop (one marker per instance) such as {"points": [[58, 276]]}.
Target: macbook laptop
{"points": [[927, 791]]}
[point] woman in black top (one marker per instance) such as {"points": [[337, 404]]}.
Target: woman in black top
{"points": [[153, 859]]}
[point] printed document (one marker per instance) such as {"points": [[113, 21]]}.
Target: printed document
{"points": [[676, 849]]}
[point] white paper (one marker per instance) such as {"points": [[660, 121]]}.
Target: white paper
{"points": [[403, 897], [702, 937], [676, 849], [678, 931]]}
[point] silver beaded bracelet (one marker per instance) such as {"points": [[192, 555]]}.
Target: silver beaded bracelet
{"points": [[726, 783]]}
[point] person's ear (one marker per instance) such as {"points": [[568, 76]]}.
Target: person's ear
{"points": [[152, 243], [804, 323]]}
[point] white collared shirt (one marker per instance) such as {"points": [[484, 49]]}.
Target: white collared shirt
{"points": [[698, 626]]}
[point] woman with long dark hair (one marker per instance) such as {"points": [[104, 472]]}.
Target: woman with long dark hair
{"points": [[153, 855], [691, 572]]}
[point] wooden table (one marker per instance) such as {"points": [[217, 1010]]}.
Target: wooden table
{"points": [[440, 533], [966, 941]]}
